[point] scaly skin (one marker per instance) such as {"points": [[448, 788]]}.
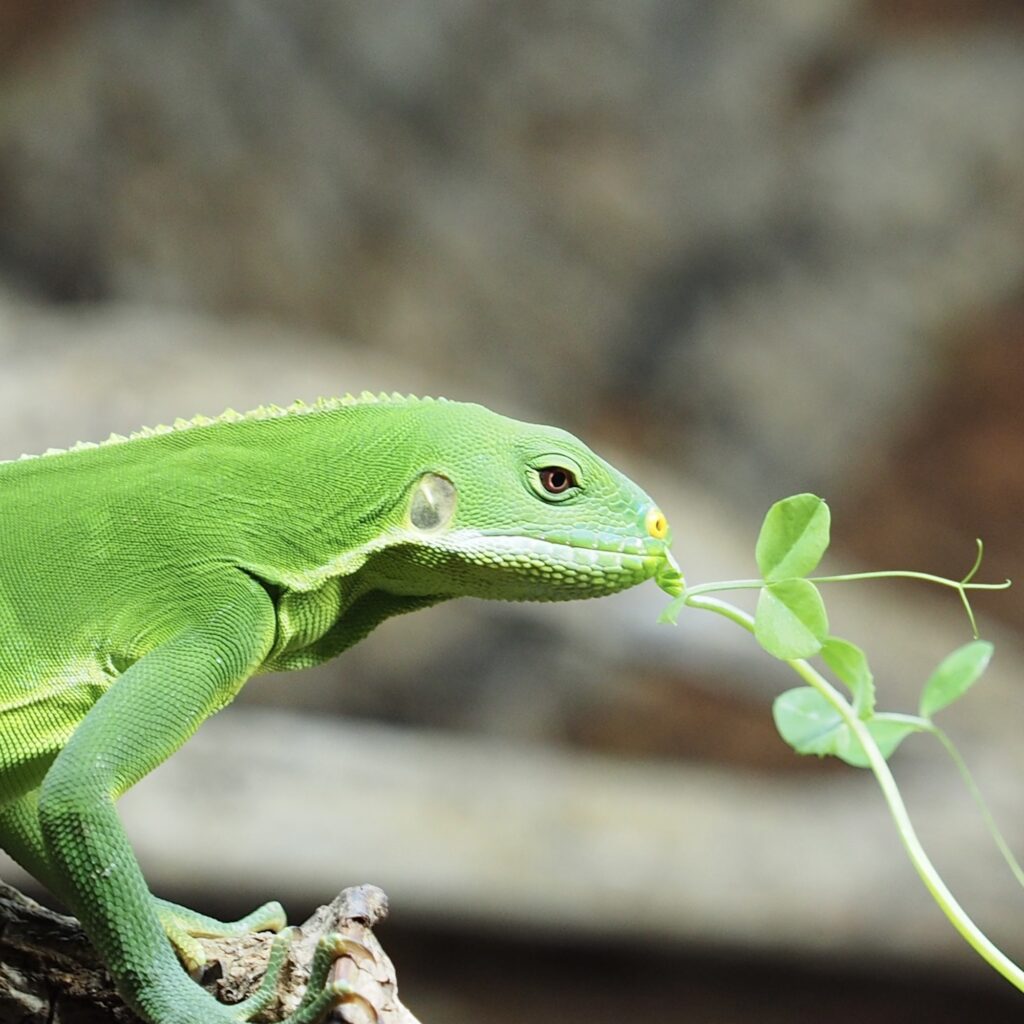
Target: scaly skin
{"points": [[146, 578]]}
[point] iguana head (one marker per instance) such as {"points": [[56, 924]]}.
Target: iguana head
{"points": [[504, 509]]}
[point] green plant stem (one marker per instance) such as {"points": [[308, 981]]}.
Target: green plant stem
{"points": [[885, 574], [979, 800], [881, 574], [933, 882]]}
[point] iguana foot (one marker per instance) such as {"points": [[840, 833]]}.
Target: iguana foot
{"points": [[184, 926], [321, 996]]}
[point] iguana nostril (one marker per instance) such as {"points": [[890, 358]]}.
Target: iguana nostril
{"points": [[656, 523]]}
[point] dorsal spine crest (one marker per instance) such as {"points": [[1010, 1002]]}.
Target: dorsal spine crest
{"points": [[262, 412]]}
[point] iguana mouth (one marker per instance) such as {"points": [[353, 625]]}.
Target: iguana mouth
{"points": [[667, 574], [635, 547], [640, 553], [642, 558]]}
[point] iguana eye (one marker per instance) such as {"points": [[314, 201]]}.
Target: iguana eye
{"points": [[556, 480]]}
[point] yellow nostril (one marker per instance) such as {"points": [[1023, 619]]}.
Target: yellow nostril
{"points": [[656, 523]]}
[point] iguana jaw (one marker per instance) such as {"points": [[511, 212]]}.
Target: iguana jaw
{"points": [[537, 567], [557, 569]]}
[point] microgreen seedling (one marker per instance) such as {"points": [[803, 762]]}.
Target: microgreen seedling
{"points": [[790, 623]]}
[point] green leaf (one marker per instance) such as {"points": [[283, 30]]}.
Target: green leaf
{"points": [[850, 664], [793, 537], [671, 613], [810, 725], [956, 673], [806, 721], [790, 620], [888, 732]]}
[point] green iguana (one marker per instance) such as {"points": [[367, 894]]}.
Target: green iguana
{"points": [[145, 579]]}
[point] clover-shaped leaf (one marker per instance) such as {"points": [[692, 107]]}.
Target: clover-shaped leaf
{"points": [[790, 620], [850, 664], [793, 537], [810, 725]]}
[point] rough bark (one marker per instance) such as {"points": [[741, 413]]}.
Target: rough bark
{"points": [[49, 972]]}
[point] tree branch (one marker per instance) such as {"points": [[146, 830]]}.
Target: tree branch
{"points": [[48, 970]]}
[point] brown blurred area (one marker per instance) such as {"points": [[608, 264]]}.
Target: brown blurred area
{"points": [[958, 463], [749, 249], [26, 27], [942, 15]]}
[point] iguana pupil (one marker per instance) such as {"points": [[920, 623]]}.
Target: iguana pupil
{"points": [[556, 480]]}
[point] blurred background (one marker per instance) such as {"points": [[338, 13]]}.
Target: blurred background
{"points": [[744, 249]]}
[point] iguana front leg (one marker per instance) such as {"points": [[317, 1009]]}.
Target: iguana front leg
{"points": [[144, 717], [183, 926], [22, 839]]}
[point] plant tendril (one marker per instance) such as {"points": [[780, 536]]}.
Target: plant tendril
{"points": [[977, 560], [961, 586]]}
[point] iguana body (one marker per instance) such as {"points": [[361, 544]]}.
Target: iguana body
{"points": [[143, 580]]}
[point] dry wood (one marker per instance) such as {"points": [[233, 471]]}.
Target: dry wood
{"points": [[48, 970]]}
